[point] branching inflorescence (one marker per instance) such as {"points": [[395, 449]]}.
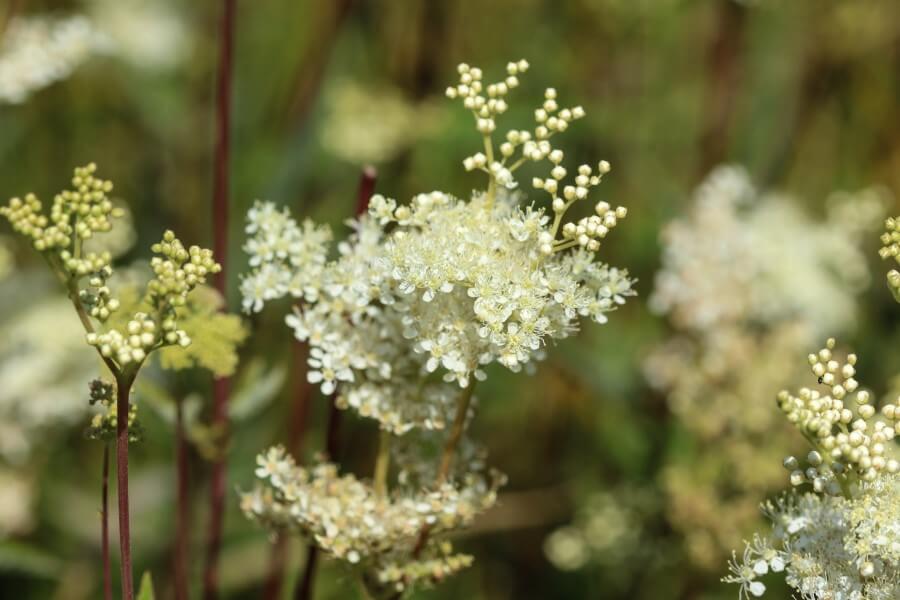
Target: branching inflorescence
{"points": [[419, 301], [76, 216], [837, 533]]}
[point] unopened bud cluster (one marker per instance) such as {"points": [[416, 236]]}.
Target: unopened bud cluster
{"points": [[840, 539], [534, 146], [75, 217], [849, 440], [890, 242], [177, 271], [103, 424]]}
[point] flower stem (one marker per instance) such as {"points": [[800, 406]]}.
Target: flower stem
{"points": [[104, 526], [382, 462], [449, 453], [183, 504], [456, 431], [221, 387], [123, 390]]}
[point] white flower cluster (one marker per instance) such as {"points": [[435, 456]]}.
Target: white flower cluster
{"points": [[38, 51], [286, 259], [725, 262], [350, 520], [413, 308], [841, 539], [740, 312], [440, 284]]}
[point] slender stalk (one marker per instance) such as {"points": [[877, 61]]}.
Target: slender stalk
{"points": [[304, 588], [123, 391], [724, 64], [382, 462], [183, 504], [448, 454], [221, 387], [456, 431], [104, 525]]}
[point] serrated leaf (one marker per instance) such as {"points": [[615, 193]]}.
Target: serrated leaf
{"points": [[146, 589], [215, 336]]}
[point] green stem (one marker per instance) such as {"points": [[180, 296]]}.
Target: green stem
{"points": [[456, 431], [383, 462]]}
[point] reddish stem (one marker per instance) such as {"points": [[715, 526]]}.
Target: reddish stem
{"points": [[123, 390], [305, 585], [304, 588], [183, 504], [221, 387], [297, 428], [104, 526]]}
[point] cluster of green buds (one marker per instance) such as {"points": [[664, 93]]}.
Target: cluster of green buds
{"points": [[890, 241], [850, 442], [177, 271], [76, 216], [103, 425]]}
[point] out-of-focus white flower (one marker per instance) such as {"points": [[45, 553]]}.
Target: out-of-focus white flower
{"points": [[43, 370], [370, 125], [38, 51], [150, 34], [16, 497]]}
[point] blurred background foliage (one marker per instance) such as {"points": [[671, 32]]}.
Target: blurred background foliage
{"points": [[804, 94]]}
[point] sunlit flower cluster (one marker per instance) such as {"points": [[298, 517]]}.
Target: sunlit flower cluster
{"points": [[740, 314], [38, 51], [409, 314], [839, 537], [353, 522]]}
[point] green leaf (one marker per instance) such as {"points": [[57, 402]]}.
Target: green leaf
{"points": [[256, 389], [215, 336], [146, 589], [22, 558]]}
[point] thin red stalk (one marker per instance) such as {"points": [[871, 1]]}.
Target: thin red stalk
{"points": [[304, 588], [221, 387], [104, 526], [183, 503], [305, 585], [297, 428], [724, 68], [123, 390]]}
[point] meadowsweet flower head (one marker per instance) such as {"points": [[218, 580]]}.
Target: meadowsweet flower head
{"points": [[407, 314], [839, 537]]}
